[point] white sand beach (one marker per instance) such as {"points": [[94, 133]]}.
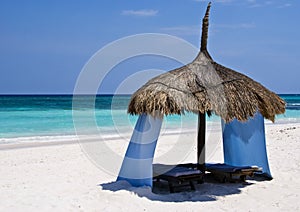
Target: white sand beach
{"points": [[61, 177]]}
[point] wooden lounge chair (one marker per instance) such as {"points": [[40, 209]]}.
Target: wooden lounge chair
{"points": [[177, 175], [225, 173]]}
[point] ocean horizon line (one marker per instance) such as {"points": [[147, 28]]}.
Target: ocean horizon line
{"points": [[104, 94], [64, 94]]}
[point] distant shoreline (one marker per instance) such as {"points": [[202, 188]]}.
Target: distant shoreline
{"points": [[104, 94]]}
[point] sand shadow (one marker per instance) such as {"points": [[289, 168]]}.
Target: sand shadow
{"points": [[208, 191]]}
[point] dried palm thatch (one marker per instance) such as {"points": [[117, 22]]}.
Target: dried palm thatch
{"points": [[204, 86]]}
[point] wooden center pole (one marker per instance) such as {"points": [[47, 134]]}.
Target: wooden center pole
{"points": [[201, 142]]}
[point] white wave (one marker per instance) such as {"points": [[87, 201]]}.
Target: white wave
{"points": [[38, 139]]}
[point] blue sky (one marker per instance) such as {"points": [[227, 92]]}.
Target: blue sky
{"points": [[45, 44]]}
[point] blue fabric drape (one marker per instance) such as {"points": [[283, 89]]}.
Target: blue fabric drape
{"points": [[244, 143], [137, 164]]}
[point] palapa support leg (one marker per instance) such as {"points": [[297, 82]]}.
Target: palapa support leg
{"points": [[201, 142], [192, 186], [171, 187]]}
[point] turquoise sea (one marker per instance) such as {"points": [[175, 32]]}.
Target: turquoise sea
{"points": [[46, 117]]}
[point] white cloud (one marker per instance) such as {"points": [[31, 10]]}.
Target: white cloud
{"points": [[146, 12], [254, 3], [285, 5], [261, 3]]}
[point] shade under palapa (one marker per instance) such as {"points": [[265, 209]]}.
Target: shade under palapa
{"points": [[204, 86]]}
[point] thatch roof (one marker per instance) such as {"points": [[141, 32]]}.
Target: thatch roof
{"points": [[205, 86]]}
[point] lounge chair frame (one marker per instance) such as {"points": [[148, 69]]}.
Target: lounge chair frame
{"points": [[182, 177]]}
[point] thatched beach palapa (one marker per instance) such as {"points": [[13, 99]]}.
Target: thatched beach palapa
{"points": [[204, 86]]}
